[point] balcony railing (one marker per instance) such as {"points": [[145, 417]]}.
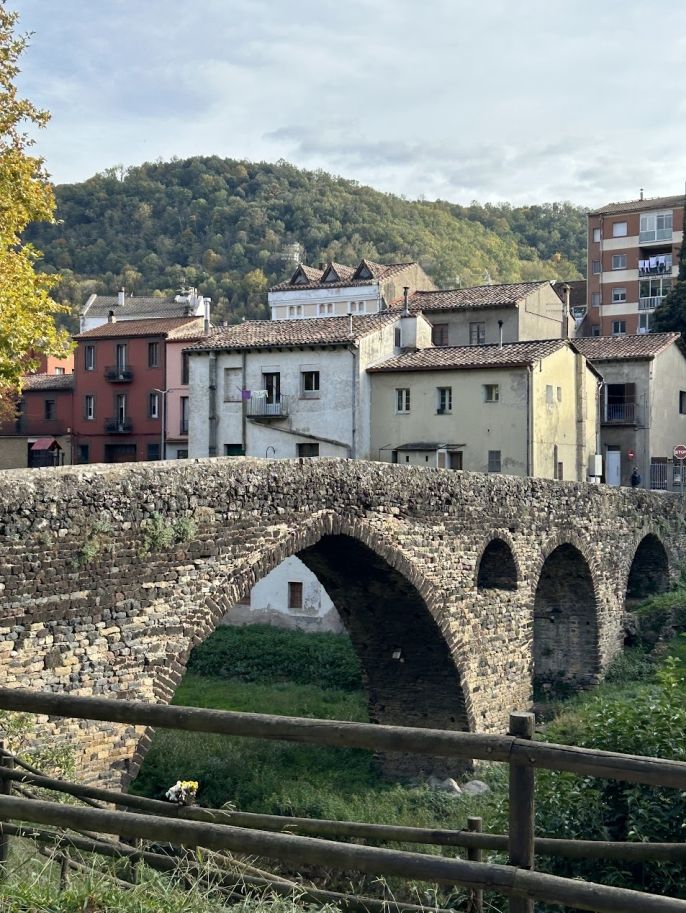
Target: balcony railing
{"points": [[119, 374], [649, 304], [620, 413], [118, 426], [661, 266], [263, 407]]}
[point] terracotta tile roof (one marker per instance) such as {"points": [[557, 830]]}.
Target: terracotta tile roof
{"points": [[478, 296], [159, 326], [316, 331], [48, 382], [632, 348], [641, 205], [379, 272], [136, 308], [438, 358]]}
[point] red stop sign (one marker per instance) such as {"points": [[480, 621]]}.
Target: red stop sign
{"points": [[680, 452]]}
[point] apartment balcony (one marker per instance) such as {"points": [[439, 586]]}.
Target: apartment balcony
{"points": [[655, 266], [655, 235], [118, 426], [119, 374], [261, 408], [620, 414], [649, 304]]}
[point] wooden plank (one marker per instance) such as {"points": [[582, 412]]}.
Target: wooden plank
{"points": [[299, 850], [475, 903], [521, 801], [6, 763], [444, 743]]}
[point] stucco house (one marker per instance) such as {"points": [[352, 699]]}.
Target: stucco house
{"points": [[643, 405], [489, 314], [98, 308], [525, 408], [292, 388], [335, 290]]}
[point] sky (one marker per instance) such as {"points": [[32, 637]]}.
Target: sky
{"points": [[488, 100]]}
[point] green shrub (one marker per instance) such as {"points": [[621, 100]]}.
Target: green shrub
{"points": [[260, 653], [629, 666], [660, 615]]}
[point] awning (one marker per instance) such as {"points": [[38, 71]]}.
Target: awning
{"points": [[45, 443]]}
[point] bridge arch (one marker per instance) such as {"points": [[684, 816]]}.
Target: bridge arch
{"points": [[497, 567], [648, 572], [411, 662], [566, 624]]}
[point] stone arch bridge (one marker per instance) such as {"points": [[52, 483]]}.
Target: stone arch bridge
{"points": [[457, 589]]}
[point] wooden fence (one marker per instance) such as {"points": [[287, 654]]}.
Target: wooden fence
{"points": [[292, 840]]}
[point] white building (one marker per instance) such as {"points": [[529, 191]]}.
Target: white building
{"points": [[290, 596], [98, 309], [335, 290], [292, 388]]}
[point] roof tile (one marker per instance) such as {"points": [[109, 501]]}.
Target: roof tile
{"points": [[611, 348], [379, 272], [433, 358], [48, 382], [478, 296], [171, 327], [641, 205], [137, 308]]}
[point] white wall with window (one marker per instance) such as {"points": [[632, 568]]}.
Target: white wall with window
{"points": [[290, 596]]}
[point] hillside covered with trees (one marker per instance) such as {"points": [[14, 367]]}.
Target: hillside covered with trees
{"points": [[233, 228]]}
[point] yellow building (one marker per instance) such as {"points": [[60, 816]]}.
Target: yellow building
{"points": [[526, 408]]}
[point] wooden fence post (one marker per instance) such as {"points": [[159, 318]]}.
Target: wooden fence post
{"points": [[5, 790], [476, 895], [521, 829]]}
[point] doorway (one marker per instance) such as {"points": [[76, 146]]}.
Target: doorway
{"points": [[613, 466]]}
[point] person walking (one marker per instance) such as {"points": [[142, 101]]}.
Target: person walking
{"points": [[635, 478]]}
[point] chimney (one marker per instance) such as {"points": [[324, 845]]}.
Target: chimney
{"points": [[206, 325], [121, 297], [322, 266], [500, 334], [641, 194], [406, 301], [567, 291], [111, 318]]}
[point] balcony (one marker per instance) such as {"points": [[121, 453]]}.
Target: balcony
{"points": [[118, 426], [655, 266], [649, 304], [119, 374], [620, 414], [265, 409], [652, 235]]}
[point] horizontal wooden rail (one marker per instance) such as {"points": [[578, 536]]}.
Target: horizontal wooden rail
{"points": [[485, 747], [387, 833], [312, 851]]}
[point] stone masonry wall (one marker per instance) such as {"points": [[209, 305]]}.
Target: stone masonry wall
{"points": [[109, 576]]}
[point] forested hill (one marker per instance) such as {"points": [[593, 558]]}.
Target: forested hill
{"points": [[228, 228]]}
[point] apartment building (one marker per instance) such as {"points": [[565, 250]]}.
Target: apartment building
{"points": [[633, 257], [336, 290], [99, 308]]}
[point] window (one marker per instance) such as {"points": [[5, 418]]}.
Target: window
{"points": [[234, 450], [439, 334], [325, 308], [153, 354], [397, 337], [595, 330], [272, 384], [83, 453], [181, 454], [652, 291], [549, 394], [295, 310], [618, 327], [153, 451], [50, 411], [121, 356], [183, 401], [89, 358], [644, 322], [232, 385], [295, 594], [559, 394], [595, 300], [121, 407], [682, 402], [477, 334], [596, 234], [402, 399], [309, 384], [596, 267], [494, 461], [59, 371], [185, 368], [308, 450], [89, 407], [619, 229], [619, 261], [154, 405], [491, 393], [618, 295], [655, 226], [357, 307], [445, 400]]}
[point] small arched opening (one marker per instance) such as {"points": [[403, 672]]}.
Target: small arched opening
{"points": [[497, 568], [649, 572], [565, 621]]}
